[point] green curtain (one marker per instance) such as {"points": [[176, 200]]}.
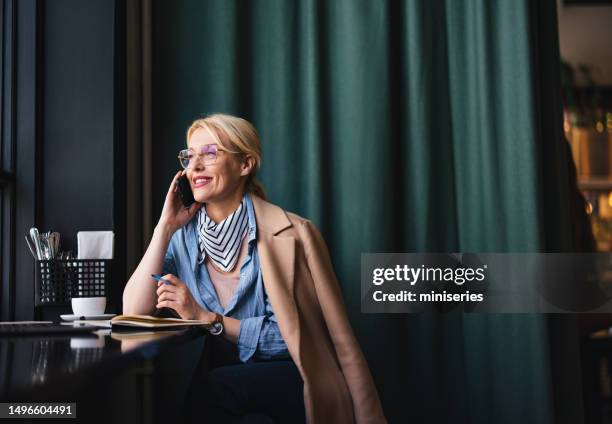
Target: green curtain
{"points": [[394, 126]]}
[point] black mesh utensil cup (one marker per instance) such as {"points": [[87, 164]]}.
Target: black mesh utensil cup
{"points": [[58, 281]]}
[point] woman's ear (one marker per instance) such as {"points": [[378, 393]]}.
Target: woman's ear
{"points": [[247, 165]]}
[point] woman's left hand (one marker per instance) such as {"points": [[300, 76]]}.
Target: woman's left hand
{"points": [[177, 296]]}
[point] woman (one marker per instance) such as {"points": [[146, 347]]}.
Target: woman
{"points": [[263, 273]]}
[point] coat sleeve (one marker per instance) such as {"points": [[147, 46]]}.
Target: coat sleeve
{"points": [[366, 404]]}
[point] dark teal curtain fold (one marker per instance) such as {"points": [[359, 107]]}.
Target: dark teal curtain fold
{"points": [[394, 126]]}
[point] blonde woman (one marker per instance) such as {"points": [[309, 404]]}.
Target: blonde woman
{"points": [[265, 277]]}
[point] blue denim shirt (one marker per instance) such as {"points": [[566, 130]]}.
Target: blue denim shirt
{"points": [[259, 333]]}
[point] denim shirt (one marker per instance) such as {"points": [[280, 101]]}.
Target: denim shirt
{"points": [[259, 333]]}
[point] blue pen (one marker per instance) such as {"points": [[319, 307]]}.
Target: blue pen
{"points": [[159, 278]]}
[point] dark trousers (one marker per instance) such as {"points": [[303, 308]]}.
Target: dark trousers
{"points": [[265, 391]]}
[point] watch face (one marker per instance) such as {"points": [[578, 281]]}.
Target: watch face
{"points": [[216, 328]]}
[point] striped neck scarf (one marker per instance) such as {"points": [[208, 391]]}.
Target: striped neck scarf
{"points": [[222, 241]]}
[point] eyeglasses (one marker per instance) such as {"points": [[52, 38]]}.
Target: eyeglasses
{"points": [[208, 153]]}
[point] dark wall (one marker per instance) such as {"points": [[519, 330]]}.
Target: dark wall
{"points": [[76, 111], [78, 98]]}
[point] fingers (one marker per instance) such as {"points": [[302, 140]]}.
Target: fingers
{"points": [[172, 279], [175, 295], [170, 284], [168, 304], [166, 288], [172, 187], [167, 296], [194, 208]]}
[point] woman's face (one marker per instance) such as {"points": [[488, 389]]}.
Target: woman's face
{"points": [[218, 181]]}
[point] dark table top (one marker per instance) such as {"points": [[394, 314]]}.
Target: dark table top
{"points": [[42, 363]]}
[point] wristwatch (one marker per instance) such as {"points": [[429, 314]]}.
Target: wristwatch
{"points": [[216, 328]]}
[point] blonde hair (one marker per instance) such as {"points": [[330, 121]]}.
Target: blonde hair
{"points": [[234, 135]]}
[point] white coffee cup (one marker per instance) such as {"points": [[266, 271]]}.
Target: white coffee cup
{"points": [[88, 306]]}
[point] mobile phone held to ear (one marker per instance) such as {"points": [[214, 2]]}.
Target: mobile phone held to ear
{"points": [[184, 191]]}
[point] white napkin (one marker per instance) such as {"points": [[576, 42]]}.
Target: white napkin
{"points": [[95, 244]]}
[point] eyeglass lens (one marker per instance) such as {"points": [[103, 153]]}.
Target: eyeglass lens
{"points": [[208, 153]]}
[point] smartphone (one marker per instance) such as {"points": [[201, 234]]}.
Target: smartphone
{"points": [[184, 191]]}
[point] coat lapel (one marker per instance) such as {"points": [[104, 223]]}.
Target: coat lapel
{"points": [[277, 261]]}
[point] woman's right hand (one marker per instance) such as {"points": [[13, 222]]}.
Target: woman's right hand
{"points": [[174, 215]]}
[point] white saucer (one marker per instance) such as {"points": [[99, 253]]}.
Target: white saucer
{"points": [[70, 317]]}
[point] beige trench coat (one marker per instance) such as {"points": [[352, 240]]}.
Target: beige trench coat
{"points": [[302, 287]]}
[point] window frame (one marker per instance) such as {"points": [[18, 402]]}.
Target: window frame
{"points": [[7, 149], [20, 91]]}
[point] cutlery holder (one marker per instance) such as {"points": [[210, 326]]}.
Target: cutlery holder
{"points": [[58, 281]]}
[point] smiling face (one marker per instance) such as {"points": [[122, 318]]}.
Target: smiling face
{"points": [[220, 181]]}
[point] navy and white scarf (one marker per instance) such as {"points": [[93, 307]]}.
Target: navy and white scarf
{"points": [[222, 241]]}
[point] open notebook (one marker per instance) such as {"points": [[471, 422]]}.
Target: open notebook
{"points": [[147, 321]]}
